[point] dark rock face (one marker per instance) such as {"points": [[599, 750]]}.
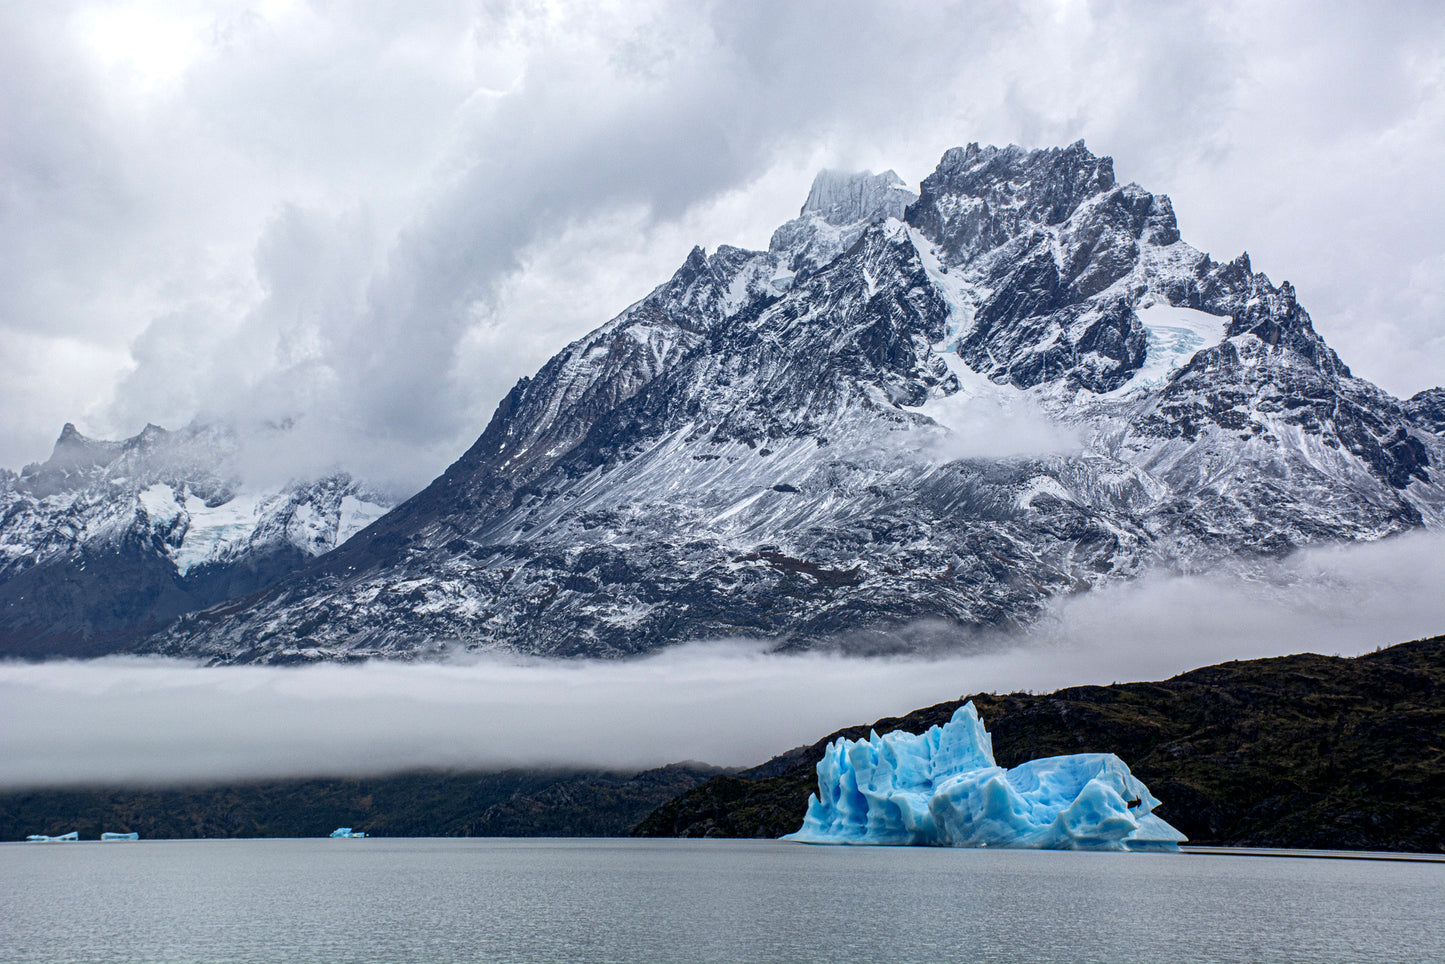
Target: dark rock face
{"points": [[995, 195], [1048, 234], [1427, 410], [106, 542], [1274, 390], [784, 443], [1301, 751], [1033, 332]]}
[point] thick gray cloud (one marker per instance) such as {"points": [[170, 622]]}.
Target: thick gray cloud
{"points": [[374, 218], [132, 720]]}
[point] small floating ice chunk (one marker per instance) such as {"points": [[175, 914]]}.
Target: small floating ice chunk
{"points": [[942, 788], [62, 838], [346, 833], [119, 836]]}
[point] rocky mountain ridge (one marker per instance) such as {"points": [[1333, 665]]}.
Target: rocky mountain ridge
{"points": [[779, 443], [106, 541], [912, 413]]}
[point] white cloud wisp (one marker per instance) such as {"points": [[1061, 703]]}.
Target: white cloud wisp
{"points": [[134, 721]]}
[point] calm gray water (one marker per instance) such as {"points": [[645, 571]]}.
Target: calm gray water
{"points": [[674, 900]]}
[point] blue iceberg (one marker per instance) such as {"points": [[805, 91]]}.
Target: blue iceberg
{"points": [[119, 836], [346, 833], [942, 788]]}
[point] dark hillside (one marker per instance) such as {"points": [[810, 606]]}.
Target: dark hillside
{"points": [[517, 803], [1298, 751]]}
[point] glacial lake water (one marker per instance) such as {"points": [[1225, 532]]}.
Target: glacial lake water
{"points": [[508, 900]]}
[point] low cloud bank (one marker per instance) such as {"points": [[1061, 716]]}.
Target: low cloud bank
{"points": [[157, 721]]}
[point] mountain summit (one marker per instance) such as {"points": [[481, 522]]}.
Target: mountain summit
{"points": [[107, 541], [929, 410], [841, 197]]}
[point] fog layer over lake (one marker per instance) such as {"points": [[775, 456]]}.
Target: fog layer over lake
{"points": [[729, 702]]}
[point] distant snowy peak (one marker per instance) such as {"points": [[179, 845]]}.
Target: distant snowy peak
{"points": [[74, 452], [107, 539], [843, 197], [313, 517], [184, 487], [198, 454], [840, 207]]}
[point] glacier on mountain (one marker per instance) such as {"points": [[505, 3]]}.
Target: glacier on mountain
{"points": [[942, 788], [1173, 336]]}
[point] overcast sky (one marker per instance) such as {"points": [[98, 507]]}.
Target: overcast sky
{"points": [[374, 217]]}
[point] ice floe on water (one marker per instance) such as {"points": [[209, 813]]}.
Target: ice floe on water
{"points": [[942, 788]]}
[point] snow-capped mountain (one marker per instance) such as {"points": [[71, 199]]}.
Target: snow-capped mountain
{"points": [[919, 411], [106, 541]]}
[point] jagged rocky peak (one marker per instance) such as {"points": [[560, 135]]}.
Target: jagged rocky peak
{"points": [[1047, 184], [76, 452], [73, 449], [1427, 410], [1063, 258], [1055, 258], [197, 453], [979, 198], [844, 197], [840, 207], [114, 538], [77, 459], [1274, 316]]}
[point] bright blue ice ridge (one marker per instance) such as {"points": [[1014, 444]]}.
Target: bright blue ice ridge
{"points": [[942, 789]]}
